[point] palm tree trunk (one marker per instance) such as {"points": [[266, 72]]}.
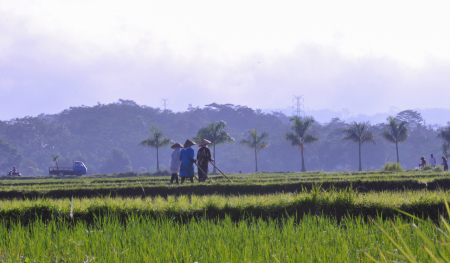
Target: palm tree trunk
{"points": [[303, 162], [396, 147], [360, 167], [214, 154], [256, 161], [157, 159]]}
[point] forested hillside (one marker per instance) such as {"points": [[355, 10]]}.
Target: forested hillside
{"points": [[106, 138]]}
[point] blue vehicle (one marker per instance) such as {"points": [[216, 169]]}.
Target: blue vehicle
{"points": [[78, 169]]}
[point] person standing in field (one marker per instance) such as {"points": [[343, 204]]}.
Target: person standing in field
{"points": [[175, 162], [424, 162], [445, 163], [432, 161], [187, 162], [203, 159]]}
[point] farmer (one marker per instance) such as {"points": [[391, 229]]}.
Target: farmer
{"points": [[187, 162], [203, 158], [432, 161], [444, 163], [175, 162], [424, 162]]}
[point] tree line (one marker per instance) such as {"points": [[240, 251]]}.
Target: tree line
{"points": [[106, 137], [359, 132]]}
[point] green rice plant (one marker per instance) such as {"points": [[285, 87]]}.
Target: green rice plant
{"points": [[318, 201], [436, 244], [392, 167], [142, 239]]}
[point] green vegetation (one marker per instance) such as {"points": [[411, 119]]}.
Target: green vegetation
{"points": [[334, 203], [313, 239], [278, 217], [393, 167]]}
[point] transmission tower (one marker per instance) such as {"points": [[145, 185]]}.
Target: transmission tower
{"points": [[165, 103], [298, 106]]}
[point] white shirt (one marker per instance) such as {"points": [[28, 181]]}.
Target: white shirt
{"points": [[433, 162], [175, 161]]}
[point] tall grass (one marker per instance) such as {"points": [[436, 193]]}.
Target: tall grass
{"points": [[313, 239]]}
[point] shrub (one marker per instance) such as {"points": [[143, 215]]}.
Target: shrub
{"points": [[427, 167], [392, 167], [439, 169]]}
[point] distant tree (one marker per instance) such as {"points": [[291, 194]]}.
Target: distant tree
{"points": [[54, 157], [299, 136], [446, 149], [359, 133], [412, 117], [255, 142], [216, 134], [117, 162], [444, 134], [156, 140], [9, 156], [396, 132]]}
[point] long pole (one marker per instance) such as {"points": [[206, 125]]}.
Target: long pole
{"points": [[220, 171], [203, 173]]}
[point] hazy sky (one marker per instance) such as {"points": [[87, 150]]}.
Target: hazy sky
{"points": [[364, 56]]}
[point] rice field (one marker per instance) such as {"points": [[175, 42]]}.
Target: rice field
{"points": [[312, 239], [221, 224]]}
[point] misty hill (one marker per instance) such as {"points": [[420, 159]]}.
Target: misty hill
{"points": [[433, 116], [106, 137]]}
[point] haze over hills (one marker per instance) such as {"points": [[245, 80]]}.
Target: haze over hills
{"points": [[432, 116]]}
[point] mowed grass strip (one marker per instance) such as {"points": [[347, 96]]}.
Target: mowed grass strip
{"points": [[335, 203], [312, 239]]}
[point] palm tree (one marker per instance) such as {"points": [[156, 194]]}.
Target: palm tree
{"points": [[255, 142], [216, 134], [397, 132], [300, 136], [156, 140], [358, 132], [54, 157]]}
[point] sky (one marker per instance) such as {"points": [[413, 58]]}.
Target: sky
{"points": [[362, 57]]}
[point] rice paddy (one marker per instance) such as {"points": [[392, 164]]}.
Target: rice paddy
{"points": [[312, 224]]}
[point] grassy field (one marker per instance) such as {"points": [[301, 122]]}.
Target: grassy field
{"points": [[278, 217]]}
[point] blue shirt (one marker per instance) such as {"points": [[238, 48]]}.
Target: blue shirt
{"points": [[187, 162]]}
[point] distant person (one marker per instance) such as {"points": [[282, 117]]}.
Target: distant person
{"points": [[444, 163], [203, 159], [175, 162], [14, 170], [432, 161], [187, 162], [424, 162]]}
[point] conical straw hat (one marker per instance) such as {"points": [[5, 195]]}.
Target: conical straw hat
{"points": [[176, 145], [204, 142], [188, 143]]}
